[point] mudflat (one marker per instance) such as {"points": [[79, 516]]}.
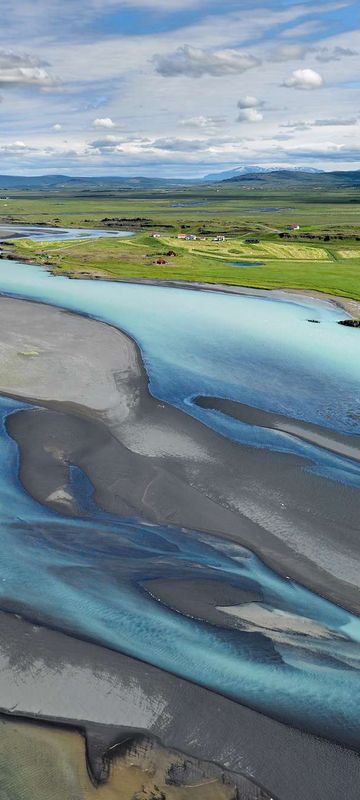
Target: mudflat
{"points": [[148, 459]]}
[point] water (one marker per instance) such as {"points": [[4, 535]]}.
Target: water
{"points": [[88, 576], [48, 234], [244, 264], [258, 351]]}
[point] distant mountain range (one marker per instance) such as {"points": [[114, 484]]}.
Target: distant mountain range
{"points": [[287, 178], [245, 175], [102, 182], [214, 177]]}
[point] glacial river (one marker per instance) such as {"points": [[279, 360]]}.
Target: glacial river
{"points": [[85, 575]]}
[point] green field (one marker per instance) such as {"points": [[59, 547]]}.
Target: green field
{"points": [[323, 255]]}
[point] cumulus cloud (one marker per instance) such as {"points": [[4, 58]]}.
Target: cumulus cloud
{"points": [[202, 122], [304, 79], [57, 127], [249, 109], [250, 115], [15, 148], [167, 146], [179, 145], [103, 122], [194, 63], [23, 70], [110, 143], [249, 102]]}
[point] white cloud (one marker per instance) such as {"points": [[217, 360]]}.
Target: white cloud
{"points": [[250, 115], [249, 101], [194, 63], [176, 145], [23, 70], [14, 148], [202, 122], [249, 109], [57, 127], [304, 79], [108, 143], [103, 122]]}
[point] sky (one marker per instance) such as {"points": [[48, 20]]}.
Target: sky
{"points": [[178, 88]]}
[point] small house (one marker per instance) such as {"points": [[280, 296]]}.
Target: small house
{"points": [[190, 237], [182, 236], [219, 239], [156, 236], [170, 254], [160, 261], [294, 227]]}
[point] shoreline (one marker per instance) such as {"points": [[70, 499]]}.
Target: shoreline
{"points": [[347, 304], [76, 415], [181, 715], [156, 485]]}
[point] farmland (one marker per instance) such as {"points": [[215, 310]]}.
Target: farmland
{"points": [[323, 255]]}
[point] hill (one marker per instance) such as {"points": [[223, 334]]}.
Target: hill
{"points": [[298, 178]]}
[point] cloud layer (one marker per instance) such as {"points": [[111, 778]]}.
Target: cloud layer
{"points": [[194, 63], [23, 70], [197, 85]]}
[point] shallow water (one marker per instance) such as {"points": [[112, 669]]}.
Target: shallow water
{"points": [[259, 351], [48, 234], [88, 576], [244, 264]]}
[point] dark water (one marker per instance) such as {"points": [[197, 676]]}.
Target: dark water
{"points": [[244, 264]]}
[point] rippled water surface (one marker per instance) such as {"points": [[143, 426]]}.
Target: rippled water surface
{"points": [[95, 569]]}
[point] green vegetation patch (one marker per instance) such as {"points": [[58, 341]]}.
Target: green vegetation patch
{"points": [[284, 264]]}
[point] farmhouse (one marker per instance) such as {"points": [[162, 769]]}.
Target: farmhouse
{"points": [[294, 227], [160, 261], [156, 236], [219, 239], [182, 236]]}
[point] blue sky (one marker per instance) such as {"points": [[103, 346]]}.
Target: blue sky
{"points": [[178, 87]]}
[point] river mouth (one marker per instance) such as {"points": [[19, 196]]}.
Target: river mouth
{"points": [[205, 559]]}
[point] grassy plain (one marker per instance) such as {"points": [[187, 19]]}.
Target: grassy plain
{"points": [[323, 255]]}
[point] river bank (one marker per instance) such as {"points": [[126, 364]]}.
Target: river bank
{"points": [[140, 453], [348, 304], [60, 680], [93, 409]]}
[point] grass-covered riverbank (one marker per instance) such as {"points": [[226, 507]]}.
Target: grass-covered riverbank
{"points": [[329, 267]]}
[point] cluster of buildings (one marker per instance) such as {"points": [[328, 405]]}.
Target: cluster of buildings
{"points": [[191, 237]]}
